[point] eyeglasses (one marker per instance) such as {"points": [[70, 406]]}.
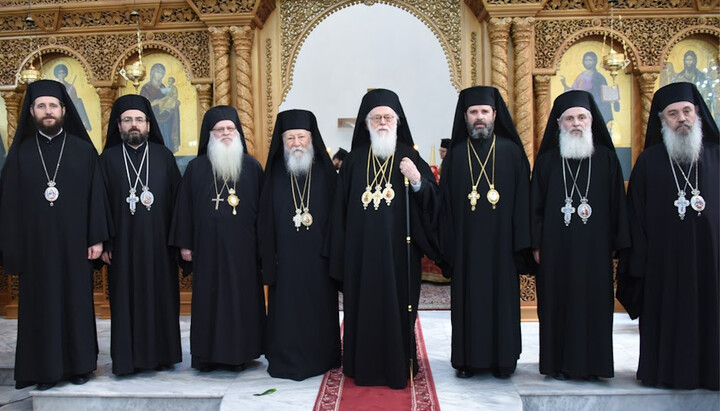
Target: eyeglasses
{"points": [[389, 118], [230, 129], [131, 119]]}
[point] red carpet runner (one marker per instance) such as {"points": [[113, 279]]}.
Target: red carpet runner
{"points": [[339, 393]]}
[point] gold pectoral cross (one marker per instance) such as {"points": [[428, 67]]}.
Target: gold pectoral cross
{"points": [[473, 197]]}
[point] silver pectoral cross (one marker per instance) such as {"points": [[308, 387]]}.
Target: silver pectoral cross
{"points": [[132, 200], [681, 203], [568, 210], [217, 201], [297, 219]]}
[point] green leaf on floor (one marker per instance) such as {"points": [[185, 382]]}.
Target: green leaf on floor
{"points": [[270, 391]]}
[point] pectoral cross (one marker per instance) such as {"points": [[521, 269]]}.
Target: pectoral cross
{"points": [[297, 219], [681, 203], [132, 199], [473, 197], [377, 197], [217, 201], [568, 210]]}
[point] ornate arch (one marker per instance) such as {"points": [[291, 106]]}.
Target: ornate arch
{"points": [[152, 46], [683, 34], [299, 18], [616, 36], [54, 48]]}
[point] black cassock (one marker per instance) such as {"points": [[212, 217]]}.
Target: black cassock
{"points": [[575, 278], [303, 325], [228, 306], [143, 276], [369, 255], [47, 245], [481, 247], [671, 276]]}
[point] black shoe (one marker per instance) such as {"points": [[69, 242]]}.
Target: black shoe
{"points": [[502, 375], [464, 372], [561, 376], [43, 386], [79, 379]]}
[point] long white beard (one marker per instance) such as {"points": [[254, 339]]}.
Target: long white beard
{"points": [[574, 147], [299, 160], [226, 160], [683, 148], [384, 147]]}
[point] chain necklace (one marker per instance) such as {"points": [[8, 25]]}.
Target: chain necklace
{"points": [[681, 203], [493, 196], [51, 192], [146, 198], [302, 212], [697, 202], [584, 210], [232, 199], [379, 170]]}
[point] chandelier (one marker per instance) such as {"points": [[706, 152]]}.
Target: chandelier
{"points": [[30, 74], [614, 61], [135, 72]]}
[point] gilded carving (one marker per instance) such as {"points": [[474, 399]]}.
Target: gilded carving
{"points": [[564, 5], [224, 6], [647, 39], [107, 98], [185, 281], [499, 31], [12, 104], [243, 40], [473, 58], [527, 288], [86, 19], [521, 35], [542, 108], [204, 95], [221, 55], [268, 90], [178, 15], [509, 2], [300, 17], [647, 90]]}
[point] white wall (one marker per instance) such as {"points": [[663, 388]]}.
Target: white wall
{"points": [[379, 46]]}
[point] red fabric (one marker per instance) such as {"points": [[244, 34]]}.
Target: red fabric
{"points": [[339, 393]]}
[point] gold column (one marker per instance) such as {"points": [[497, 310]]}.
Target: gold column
{"points": [[523, 104], [498, 30], [204, 93], [221, 54], [12, 103], [542, 108], [647, 90], [107, 98], [242, 41]]}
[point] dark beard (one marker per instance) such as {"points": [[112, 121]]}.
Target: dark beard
{"points": [[134, 140], [51, 130], [483, 133]]}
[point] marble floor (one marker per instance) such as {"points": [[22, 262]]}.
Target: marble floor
{"points": [[185, 388]]}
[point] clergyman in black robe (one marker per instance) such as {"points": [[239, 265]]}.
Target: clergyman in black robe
{"points": [[369, 250], [142, 179], [484, 230], [670, 278], [54, 218], [214, 225], [579, 220], [303, 337]]}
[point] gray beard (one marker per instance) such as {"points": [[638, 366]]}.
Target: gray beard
{"points": [[574, 147], [483, 133], [683, 148], [383, 147], [299, 164], [226, 161]]}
